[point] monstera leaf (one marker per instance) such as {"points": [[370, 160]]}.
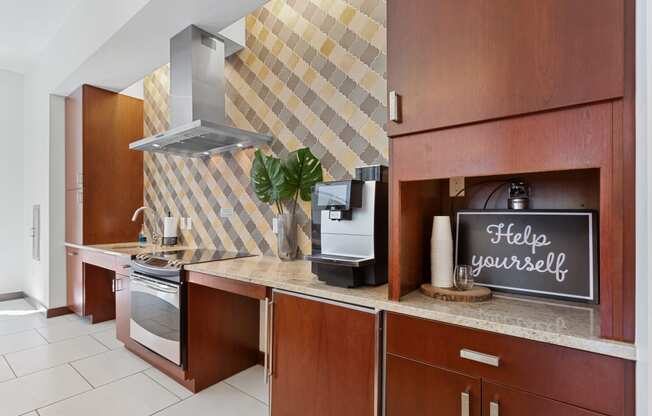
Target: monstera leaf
{"points": [[302, 171], [268, 179]]}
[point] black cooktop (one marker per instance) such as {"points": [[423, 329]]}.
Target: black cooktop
{"points": [[197, 255]]}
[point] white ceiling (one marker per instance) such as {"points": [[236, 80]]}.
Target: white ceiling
{"points": [[26, 27]]}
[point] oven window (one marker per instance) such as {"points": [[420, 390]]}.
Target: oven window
{"points": [[155, 315]]}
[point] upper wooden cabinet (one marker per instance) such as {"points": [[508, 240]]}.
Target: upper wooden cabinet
{"points": [[104, 179], [462, 61]]}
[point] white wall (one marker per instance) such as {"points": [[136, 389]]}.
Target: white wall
{"points": [[135, 90], [88, 27], [12, 232]]}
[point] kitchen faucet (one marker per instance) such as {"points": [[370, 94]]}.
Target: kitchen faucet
{"points": [[157, 235]]}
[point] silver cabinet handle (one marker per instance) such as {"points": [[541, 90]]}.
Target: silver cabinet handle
{"points": [[394, 107], [494, 409], [266, 340], [271, 340], [480, 357], [465, 404], [71, 254], [113, 285]]}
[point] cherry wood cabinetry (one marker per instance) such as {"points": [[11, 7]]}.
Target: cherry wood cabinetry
{"points": [[122, 298], [495, 88], [75, 281], [504, 401], [104, 185], [104, 179], [324, 358], [460, 61], [417, 389], [526, 377]]}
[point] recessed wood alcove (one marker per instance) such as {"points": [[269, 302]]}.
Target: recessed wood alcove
{"points": [[573, 158]]}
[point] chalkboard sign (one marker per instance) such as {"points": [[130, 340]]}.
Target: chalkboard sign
{"points": [[535, 252]]}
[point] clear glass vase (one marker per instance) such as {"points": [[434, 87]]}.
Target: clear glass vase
{"points": [[286, 238]]}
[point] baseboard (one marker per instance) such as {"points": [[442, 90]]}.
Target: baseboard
{"points": [[49, 312], [34, 302], [54, 312], [11, 296]]}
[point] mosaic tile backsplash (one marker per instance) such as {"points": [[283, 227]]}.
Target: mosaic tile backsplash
{"points": [[313, 74]]}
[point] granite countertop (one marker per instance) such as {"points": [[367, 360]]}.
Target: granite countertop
{"points": [[560, 323], [126, 249]]}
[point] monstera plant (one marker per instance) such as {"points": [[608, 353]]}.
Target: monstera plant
{"points": [[281, 183]]}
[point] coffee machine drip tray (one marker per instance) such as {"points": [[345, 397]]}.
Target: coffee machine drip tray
{"points": [[335, 260]]}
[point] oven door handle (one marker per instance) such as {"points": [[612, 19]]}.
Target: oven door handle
{"points": [[150, 283]]}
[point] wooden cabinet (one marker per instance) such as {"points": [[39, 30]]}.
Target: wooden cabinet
{"points": [[104, 185], [462, 61], [324, 358], [122, 307], [503, 401], [104, 179], [417, 389], [522, 377], [74, 281]]}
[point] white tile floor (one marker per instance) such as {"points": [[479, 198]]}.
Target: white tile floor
{"points": [[66, 366]]}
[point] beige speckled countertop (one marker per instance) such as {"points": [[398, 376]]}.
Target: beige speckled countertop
{"points": [[560, 323], [125, 249]]}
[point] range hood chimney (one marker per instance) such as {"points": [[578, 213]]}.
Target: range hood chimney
{"points": [[197, 100]]}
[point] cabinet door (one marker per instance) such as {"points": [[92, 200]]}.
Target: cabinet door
{"points": [[75, 281], [502, 401], [323, 358], [417, 389], [74, 216], [122, 307], [74, 140], [462, 61]]}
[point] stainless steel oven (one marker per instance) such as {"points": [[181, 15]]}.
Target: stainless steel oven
{"points": [[158, 299], [156, 311]]}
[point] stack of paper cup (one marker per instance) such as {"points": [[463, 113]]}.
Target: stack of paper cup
{"points": [[441, 252]]}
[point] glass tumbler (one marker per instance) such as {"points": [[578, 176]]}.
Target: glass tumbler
{"points": [[463, 277]]}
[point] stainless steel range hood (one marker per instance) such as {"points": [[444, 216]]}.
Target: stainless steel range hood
{"points": [[197, 100]]}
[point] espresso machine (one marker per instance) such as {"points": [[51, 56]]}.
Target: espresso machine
{"points": [[350, 229]]}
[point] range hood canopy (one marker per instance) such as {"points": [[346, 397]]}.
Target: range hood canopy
{"points": [[197, 100]]}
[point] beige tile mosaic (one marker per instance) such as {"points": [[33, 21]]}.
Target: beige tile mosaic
{"points": [[313, 74]]}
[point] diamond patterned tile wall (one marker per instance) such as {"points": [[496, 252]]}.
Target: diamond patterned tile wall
{"points": [[313, 74]]}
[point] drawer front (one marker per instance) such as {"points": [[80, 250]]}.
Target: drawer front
{"points": [[106, 261], [123, 265], [418, 389], [563, 374], [504, 401]]}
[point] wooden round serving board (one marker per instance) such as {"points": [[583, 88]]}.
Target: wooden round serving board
{"points": [[477, 294]]}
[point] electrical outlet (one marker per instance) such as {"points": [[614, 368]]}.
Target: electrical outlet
{"points": [[275, 225], [226, 212], [188, 223], [456, 186]]}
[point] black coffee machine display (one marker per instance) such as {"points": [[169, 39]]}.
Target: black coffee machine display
{"points": [[349, 229]]}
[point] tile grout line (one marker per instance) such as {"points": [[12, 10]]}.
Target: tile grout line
{"points": [[92, 388], [28, 348], [244, 392], [144, 372], [60, 364], [81, 375], [10, 368]]}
